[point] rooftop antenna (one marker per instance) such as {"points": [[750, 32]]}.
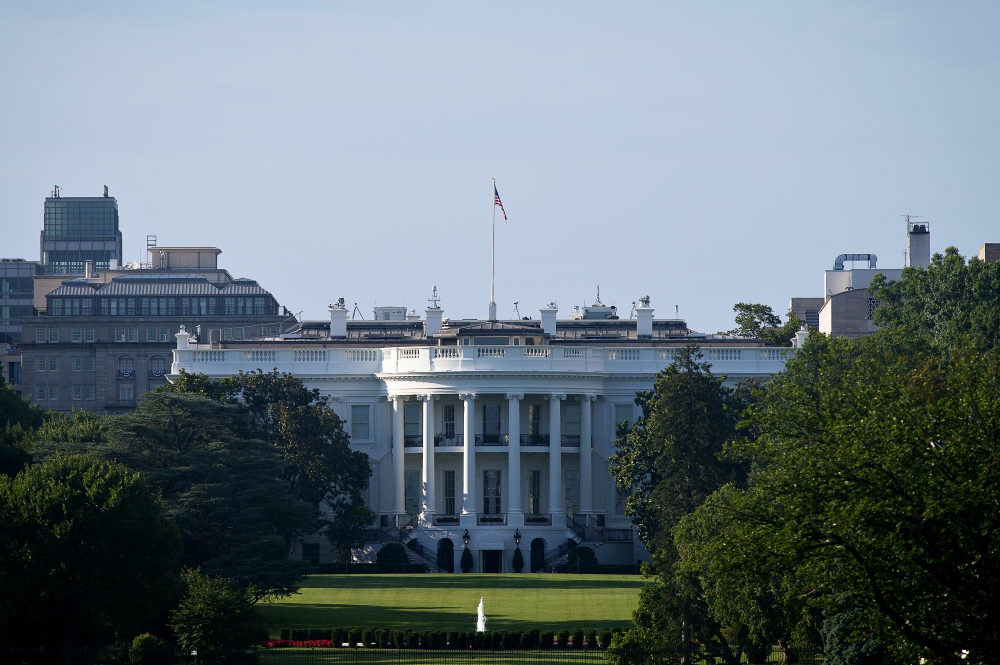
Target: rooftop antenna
{"points": [[434, 299], [55, 191], [105, 191], [358, 312], [516, 314], [598, 295], [493, 256], [677, 311]]}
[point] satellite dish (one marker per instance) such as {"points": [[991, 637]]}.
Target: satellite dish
{"points": [[132, 265]]}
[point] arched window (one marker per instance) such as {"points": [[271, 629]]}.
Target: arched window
{"points": [[537, 555], [157, 366], [446, 555], [126, 367]]}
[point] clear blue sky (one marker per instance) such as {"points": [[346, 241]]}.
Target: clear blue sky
{"points": [[701, 153]]}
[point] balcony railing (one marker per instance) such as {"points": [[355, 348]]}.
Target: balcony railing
{"points": [[491, 439], [413, 441], [446, 519], [535, 440], [455, 440], [538, 520], [493, 518], [571, 440]]}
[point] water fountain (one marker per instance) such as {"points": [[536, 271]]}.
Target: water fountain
{"points": [[481, 617]]}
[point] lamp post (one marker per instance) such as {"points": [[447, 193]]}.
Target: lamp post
{"points": [[465, 538], [517, 537]]}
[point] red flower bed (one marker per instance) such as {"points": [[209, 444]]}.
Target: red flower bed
{"points": [[309, 644]]}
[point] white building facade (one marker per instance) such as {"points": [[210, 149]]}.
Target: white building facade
{"points": [[492, 433]]}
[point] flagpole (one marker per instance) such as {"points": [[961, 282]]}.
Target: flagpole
{"points": [[493, 258]]}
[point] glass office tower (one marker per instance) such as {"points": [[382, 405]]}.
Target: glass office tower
{"points": [[77, 230], [16, 297]]}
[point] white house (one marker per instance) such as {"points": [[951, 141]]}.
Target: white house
{"points": [[496, 433]]}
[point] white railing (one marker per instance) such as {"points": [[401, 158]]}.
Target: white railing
{"points": [[572, 353], [664, 354], [776, 354], [409, 354], [624, 354], [536, 352], [447, 352], [259, 356], [209, 357], [311, 356], [361, 355], [724, 354], [490, 352]]}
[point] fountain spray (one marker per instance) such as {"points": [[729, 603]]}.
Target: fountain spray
{"points": [[481, 617]]}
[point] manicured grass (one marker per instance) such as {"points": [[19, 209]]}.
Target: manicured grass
{"points": [[448, 602]]}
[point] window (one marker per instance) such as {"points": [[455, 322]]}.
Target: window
{"points": [[535, 420], [411, 420], [150, 334], [258, 305], [119, 334], [133, 334], [571, 424], [237, 333], [623, 412], [126, 392], [449, 422], [361, 426], [449, 492], [87, 307], [53, 363], [131, 306], [53, 334], [77, 363], [77, 392], [164, 334], [230, 306], [411, 483], [77, 335], [491, 423], [227, 334], [535, 492], [40, 393], [310, 552], [571, 479], [157, 366], [56, 306], [88, 335], [40, 336], [53, 392], [491, 492], [620, 500], [88, 363], [126, 365], [88, 392], [40, 363], [872, 306]]}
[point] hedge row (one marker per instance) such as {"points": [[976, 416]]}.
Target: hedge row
{"points": [[439, 639]]}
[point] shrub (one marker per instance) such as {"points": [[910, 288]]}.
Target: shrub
{"points": [[546, 639], [354, 636], [412, 639], [392, 554], [517, 563], [368, 636], [284, 634], [216, 613], [563, 638], [148, 648], [299, 634], [466, 563], [339, 636], [577, 639], [382, 638], [591, 637]]}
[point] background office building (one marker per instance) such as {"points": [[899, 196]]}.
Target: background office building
{"points": [[80, 229]]}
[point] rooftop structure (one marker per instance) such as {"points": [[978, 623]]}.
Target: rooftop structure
{"points": [[77, 230]]}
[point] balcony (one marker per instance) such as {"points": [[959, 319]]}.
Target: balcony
{"points": [[492, 519], [492, 439], [453, 441], [446, 520], [571, 440], [413, 441], [535, 440], [538, 520]]}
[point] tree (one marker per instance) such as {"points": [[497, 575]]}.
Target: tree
{"points": [[517, 563], [667, 463], [466, 563], [760, 322], [944, 304], [319, 463], [18, 417], [877, 477], [216, 613], [227, 493], [84, 550]]}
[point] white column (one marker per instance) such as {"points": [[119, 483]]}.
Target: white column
{"points": [[557, 502], [515, 516], [586, 451], [398, 458], [428, 498], [468, 517]]}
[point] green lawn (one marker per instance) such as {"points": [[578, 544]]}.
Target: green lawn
{"points": [[448, 602]]}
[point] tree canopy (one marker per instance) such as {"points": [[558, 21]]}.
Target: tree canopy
{"points": [[760, 322]]}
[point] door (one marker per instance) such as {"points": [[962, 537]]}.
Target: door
{"points": [[492, 561]]}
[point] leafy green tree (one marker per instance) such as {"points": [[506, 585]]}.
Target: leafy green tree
{"points": [[18, 418], [466, 563], [760, 322], [667, 463], [216, 613], [517, 563], [879, 470], [319, 462], [84, 551], [944, 304]]}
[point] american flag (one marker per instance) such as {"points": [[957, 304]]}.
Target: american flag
{"points": [[496, 201]]}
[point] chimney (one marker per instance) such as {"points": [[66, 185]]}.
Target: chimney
{"points": [[182, 339], [918, 244], [338, 319], [549, 318], [88, 269], [644, 318]]}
